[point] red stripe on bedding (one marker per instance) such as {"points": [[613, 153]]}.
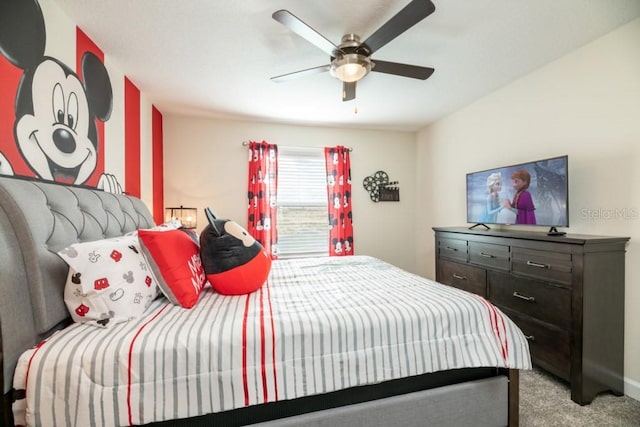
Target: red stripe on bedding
{"points": [[244, 353], [135, 337], [505, 348], [501, 335], [265, 392], [273, 342], [26, 378]]}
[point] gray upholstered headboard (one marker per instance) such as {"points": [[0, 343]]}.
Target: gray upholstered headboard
{"points": [[38, 219]]}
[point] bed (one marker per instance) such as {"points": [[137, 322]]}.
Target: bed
{"points": [[311, 347]]}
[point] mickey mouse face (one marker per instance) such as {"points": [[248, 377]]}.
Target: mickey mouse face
{"points": [[239, 233], [54, 137], [55, 109]]}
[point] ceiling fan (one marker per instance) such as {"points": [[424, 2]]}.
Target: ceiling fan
{"points": [[351, 59]]}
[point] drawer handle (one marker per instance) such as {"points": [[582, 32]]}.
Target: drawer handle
{"points": [[459, 277], [524, 297], [486, 255], [537, 264], [451, 249], [530, 337]]}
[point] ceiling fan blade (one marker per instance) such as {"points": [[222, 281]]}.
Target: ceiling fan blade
{"points": [[348, 91], [404, 70], [296, 25], [301, 73], [412, 13]]}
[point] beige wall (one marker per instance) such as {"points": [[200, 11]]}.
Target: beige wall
{"points": [[205, 164], [585, 105]]}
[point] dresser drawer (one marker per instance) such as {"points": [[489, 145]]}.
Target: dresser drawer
{"points": [[462, 276], [545, 265], [545, 302], [489, 255], [549, 347], [453, 249]]}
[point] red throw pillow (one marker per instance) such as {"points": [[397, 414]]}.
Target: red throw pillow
{"points": [[174, 258]]}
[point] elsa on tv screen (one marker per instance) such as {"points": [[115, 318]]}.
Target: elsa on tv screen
{"points": [[533, 193]]}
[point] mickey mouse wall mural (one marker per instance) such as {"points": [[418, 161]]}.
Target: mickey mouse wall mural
{"points": [[55, 109]]}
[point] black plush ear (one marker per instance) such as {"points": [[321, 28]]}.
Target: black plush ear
{"points": [[97, 86], [22, 32], [211, 217]]}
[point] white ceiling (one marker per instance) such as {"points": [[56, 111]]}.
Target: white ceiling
{"points": [[215, 57]]}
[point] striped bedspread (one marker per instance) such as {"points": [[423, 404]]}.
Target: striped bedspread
{"points": [[317, 325]]}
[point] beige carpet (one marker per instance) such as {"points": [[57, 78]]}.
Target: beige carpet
{"points": [[545, 401]]}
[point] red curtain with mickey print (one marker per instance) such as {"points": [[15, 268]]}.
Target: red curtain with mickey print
{"points": [[339, 192], [261, 194]]}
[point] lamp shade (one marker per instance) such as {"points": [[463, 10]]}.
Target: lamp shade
{"points": [[188, 217]]}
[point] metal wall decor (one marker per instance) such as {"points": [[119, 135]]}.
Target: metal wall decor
{"points": [[381, 189]]}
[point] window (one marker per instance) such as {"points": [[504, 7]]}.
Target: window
{"points": [[303, 228]]}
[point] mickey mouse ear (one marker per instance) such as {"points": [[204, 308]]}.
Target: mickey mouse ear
{"points": [[22, 34], [97, 85], [211, 217]]}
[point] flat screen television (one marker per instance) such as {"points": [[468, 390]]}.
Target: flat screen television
{"points": [[532, 193]]}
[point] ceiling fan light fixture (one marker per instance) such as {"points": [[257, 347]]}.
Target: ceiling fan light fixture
{"points": [[350, 67]]}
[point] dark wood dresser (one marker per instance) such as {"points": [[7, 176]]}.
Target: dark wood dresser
{"points": [[565, 292]]}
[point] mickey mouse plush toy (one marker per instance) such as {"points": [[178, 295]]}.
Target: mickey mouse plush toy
{"points": [[55, 127], [235, 263]]}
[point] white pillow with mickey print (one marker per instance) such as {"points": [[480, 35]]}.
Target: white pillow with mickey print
{"points": [[109, 281]]}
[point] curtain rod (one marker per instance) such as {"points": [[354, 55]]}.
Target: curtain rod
{"points": [[245, 143]]}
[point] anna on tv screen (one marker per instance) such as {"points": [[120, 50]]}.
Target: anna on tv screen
{"points": [[533, 193]]}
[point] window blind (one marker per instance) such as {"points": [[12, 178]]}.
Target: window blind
{"points": [[302, 203]]}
